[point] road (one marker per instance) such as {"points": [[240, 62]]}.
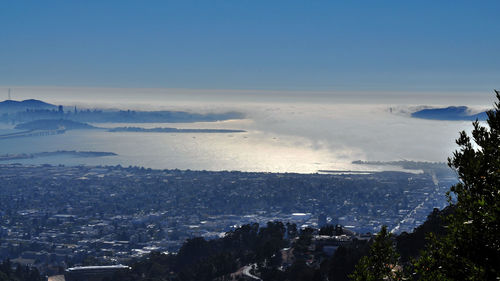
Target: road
{"points": [[246, 271]]}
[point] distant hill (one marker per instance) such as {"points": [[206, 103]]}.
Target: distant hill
{"points": [[12, 105], [30, 110], [449, 113], [53, 124]]}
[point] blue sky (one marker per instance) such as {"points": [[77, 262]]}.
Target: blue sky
{"points": [[268, 45]]}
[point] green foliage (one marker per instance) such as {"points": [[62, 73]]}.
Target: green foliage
{"points": [[6, 267], [22, 273], [381, 262], [331, 230], [291, 229], [409, 245], [199, 259], [345, 259], [471, 248], [3, 277], [302, 244]]}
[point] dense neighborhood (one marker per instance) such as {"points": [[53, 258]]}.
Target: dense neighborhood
{"points": [[55, 217]]}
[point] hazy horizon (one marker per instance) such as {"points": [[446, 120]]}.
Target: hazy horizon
{"points": [[319, 82], [161, 97], [285, 131]]}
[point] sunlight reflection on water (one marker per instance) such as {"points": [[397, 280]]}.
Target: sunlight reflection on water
{"points": [[294, 138]]}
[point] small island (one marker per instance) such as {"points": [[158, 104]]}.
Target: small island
{"points": [[53, 124], [451, 113], [71, 153]]}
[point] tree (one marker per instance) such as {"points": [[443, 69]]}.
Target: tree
{"points": [[471, 248], [381, 262], [6, 267], [343, 262], [4, 277]]}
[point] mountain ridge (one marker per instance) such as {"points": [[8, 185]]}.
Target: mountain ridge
{"points": [[8, 105]]}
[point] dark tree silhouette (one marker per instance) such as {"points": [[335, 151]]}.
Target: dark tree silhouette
{"points": [[471, 248], [381, 262]]}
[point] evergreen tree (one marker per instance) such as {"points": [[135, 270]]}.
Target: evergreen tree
{"points": [[471, 248], [382, 261], [6, 267]]}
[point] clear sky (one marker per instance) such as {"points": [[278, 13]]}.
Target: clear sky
{"points": [[238, 44]]}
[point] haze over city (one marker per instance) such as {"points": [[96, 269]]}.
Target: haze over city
{"points": [[244, 140]]}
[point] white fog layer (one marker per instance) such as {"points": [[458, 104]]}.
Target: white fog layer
{"points": [[324, 132]]}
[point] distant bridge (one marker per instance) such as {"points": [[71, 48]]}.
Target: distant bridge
{"points": [[33, 133]]}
